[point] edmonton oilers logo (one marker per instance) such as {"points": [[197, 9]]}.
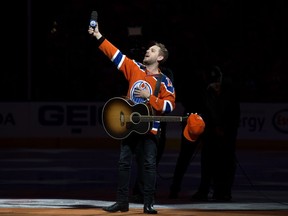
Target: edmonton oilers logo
{"points": [[280, 121], [141, 84], [93, 23]]}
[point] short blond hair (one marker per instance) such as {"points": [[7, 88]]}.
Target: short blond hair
{"points": [[163, 50]]}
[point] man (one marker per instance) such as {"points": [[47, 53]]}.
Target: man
{"points": [[142, 80], [222, 115], [220, 109]]}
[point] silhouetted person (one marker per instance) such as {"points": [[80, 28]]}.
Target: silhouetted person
{"points": [[220, 109], [221, 115]]}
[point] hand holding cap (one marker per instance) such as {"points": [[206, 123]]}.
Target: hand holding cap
{"points": [[194, 128]]}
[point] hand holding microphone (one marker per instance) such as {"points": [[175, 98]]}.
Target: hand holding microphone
{"points": [[93, 25]]}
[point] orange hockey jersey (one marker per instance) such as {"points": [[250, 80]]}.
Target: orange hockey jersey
{"points": [[137, 77]]}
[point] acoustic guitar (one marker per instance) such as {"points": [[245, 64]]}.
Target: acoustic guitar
{"points": [[121, 117]]}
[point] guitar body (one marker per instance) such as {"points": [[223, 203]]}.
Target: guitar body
{"points": [[121, 117]]}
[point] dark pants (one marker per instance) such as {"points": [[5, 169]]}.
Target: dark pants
{"points": [[161, 144], [187, 150], [145, 149], [218, 164]]}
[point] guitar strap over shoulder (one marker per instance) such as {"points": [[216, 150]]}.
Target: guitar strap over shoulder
{"points": [[157, 88], [156, 91]]}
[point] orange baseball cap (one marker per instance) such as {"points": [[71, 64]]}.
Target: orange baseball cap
{"points": [[194, 127]]}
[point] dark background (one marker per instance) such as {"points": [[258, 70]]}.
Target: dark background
{"points": [[48, 55]]}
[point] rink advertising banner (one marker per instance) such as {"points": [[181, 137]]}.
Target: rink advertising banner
{"points": [[263, 121], [51, 120], [259, 121]]}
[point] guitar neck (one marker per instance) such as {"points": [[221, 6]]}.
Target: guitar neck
{"points": [[163, 118]]}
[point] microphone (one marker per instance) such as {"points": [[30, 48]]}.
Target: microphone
{"points": [[93, 19]]}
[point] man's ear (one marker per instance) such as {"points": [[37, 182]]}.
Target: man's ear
{"points": [[160, 58]]}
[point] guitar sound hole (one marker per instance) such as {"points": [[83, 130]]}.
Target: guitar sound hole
{"points": [[135, 118]]}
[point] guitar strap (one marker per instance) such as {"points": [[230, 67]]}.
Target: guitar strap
{"points": [[157, 88], [156, 91]]}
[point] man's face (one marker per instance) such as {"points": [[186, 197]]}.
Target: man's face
{"points": [[152, 55], [216, 86]]}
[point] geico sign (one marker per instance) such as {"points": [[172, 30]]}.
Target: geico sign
{"points": [[70, 115]]}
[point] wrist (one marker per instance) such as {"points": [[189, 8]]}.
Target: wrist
{"points": [[98, 35], [148, 98]]}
